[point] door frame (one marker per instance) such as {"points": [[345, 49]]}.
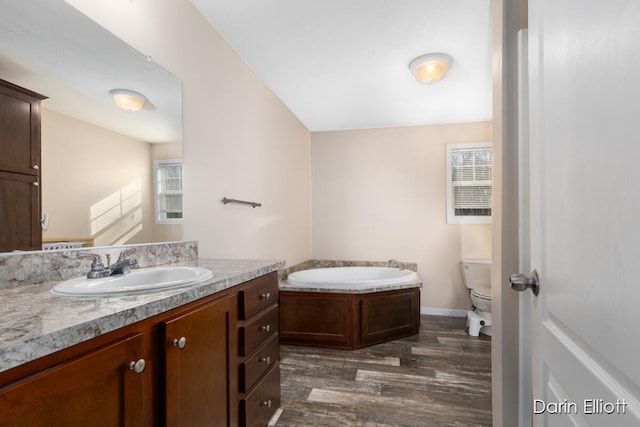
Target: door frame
{"points": [[508, 379]]}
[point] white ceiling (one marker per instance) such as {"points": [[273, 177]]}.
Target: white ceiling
{"points": [[343, 64], [336, 64]]}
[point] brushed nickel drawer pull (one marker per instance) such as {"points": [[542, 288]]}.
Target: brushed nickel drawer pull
{"points": [[266, 296], [265, 328], [266, 360], [266, 403]]}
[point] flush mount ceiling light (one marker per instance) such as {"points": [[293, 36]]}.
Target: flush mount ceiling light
{"points": [[430, 68], [127, 99]]}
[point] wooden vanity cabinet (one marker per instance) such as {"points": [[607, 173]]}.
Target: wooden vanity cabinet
{"points": [[258, 350], [199, 357], [20, 196], [103, 387], [192, 376]]}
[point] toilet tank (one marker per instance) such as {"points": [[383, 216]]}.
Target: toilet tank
{"points": [[476, 273]]}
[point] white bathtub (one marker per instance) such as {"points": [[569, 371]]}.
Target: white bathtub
{"points": [[351, 277]]}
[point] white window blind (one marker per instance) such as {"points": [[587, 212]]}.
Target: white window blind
{"points": [[469, 183], [168, 184]]}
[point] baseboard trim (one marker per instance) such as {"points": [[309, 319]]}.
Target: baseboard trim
{"points": [[430, 311]]}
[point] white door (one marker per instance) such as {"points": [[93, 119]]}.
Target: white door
{"points": [[584, 92]]}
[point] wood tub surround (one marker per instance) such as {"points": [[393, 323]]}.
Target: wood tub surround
{"points": [[334, 315], [348, 320], [182, 366]]}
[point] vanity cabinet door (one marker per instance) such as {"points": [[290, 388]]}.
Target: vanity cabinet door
{"points": [[99, 388], [200, 368]]}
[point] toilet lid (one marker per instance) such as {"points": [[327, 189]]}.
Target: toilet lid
{"points": [[484, 293]]}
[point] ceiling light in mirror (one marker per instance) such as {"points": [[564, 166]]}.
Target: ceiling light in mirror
{"points": [[128, 100]]}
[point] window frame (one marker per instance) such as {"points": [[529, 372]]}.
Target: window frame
{"points": [[159, 215], [452, 218]]}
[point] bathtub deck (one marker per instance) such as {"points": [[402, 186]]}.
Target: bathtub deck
{"points": [[440, 377]]}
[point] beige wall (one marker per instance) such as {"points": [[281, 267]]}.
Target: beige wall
{"points": [[95, 183], [240, 141], [380, 194]]}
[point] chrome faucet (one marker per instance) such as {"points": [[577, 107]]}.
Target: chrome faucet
{"points": [[122, 266]]}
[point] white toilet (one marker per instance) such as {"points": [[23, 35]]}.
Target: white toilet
{"points": [[477, 278]]}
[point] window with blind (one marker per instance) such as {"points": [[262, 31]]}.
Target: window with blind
{"points": [[469, 183], [168, 186]]}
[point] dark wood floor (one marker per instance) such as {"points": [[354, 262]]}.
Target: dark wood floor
{"points": [[441, 377]]}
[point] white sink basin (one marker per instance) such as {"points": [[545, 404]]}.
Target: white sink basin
{"points": [[142, 280]]}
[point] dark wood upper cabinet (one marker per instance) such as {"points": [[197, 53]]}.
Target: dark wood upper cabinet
{"points": [[20, 184]]}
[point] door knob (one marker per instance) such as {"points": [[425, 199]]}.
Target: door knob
{"points": [[520, 282]]}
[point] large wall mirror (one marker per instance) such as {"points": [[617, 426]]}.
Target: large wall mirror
{"points": [[97, 159]]}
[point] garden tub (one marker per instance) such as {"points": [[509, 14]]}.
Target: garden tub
{"points": [[349, 307]]}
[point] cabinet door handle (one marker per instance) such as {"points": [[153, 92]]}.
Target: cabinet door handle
{"points": [[181, 342], [266, 403], [266, 296], [36, 184], [266, 360], [35, 167], [265, 328], [137, 366]]}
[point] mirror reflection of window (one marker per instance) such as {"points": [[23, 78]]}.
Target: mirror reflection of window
{"points": [[168, 195]]}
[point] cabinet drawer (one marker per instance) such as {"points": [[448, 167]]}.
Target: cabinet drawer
{"points": [[258, 330], [257, 408], [258, 363], [260, 293]]}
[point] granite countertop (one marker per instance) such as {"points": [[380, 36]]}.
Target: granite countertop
{"points": [[34, 322]]}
